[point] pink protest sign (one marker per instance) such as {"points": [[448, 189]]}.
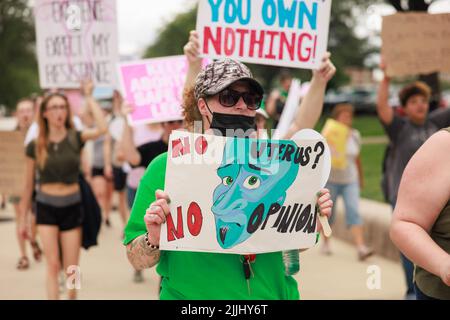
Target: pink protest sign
{"points": [[154, 87], [76, 100]]}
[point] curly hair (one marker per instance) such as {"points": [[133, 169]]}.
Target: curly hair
{"points": [[190, 109], [415, 88]]}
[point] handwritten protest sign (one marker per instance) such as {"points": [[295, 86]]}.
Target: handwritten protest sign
{"points": [[154, 88], [236, 195], [337, 135], [76, 40], [288, 33], [416, 43], [12, 162]]}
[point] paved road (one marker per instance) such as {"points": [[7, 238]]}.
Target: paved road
{"points": [[106, 273]]}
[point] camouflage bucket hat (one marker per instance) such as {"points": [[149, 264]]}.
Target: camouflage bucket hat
{"points": [[220, 74]]}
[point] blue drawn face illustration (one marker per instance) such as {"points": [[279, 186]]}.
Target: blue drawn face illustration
{"points": [[245, 184]]}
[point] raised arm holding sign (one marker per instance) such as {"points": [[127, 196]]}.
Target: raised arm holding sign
{"points": [[225, 97]]}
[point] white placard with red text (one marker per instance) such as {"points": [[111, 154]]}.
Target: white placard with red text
{"points": [[288, 33], [225, 198]]}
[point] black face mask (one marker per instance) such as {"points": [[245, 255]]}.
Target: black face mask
{"points": [[223, 121]]}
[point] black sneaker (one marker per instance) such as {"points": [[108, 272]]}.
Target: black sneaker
{"points": [[138, 278]]}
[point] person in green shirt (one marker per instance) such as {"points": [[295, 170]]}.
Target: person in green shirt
{"points": [[222, 96]]}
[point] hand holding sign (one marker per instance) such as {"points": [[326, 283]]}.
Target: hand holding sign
{"points": [[325, 206], [87, 87], [192, 48], [245, 195], [324, 201], [326, 69], [156, 215]]}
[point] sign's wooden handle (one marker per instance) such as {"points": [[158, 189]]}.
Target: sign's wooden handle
{"points": [[325, 226]]}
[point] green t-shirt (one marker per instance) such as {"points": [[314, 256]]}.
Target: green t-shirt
{"points": [[207, 276]]}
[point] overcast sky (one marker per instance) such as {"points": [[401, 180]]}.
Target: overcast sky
{"points": [[140, 20]]}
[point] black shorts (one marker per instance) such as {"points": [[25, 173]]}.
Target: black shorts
{"points": [[120, 179], [66, 218], [97, 172]]}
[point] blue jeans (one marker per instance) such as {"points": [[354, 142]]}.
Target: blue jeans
{"points": [[420, 295], [408, 268], [350, 194], [131, 193]]}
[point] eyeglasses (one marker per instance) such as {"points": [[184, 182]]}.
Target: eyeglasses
{"points": [[49, 93], [175, 122], [56, 107], [230, 97]]}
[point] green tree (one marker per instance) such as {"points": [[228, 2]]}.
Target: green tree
{"points": [[18, 64], [346, 48]]}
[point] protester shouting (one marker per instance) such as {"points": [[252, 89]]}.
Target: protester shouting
{"points": [[55, 154]]}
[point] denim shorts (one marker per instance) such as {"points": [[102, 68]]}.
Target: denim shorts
{"points": [[420, 295], [131, 194], [350, 194]]}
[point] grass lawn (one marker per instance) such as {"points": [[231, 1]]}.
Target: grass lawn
{"points": [[371, 158], [371, 154], [368, 125]]}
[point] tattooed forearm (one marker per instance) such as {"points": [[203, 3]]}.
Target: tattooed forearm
{"points": [[140, 255]]}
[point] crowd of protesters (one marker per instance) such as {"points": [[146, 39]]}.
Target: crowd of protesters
{"points": [[131, 161]]}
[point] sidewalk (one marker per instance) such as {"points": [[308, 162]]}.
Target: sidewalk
{"points": [[106, 273]]}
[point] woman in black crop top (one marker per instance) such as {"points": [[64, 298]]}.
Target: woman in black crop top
{"points": [[55, 154]]}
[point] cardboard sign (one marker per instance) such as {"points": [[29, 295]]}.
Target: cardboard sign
{"points": [[76, 40], [236, 195], [337, 135], [288, 33], [154, 88], [416, 43], [12, 162]]}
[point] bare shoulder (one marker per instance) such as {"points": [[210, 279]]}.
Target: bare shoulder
{"points": [[437, 145], [425, 186], [432, 160]]}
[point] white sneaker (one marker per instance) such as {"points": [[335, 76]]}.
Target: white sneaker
{"points": [[325, 249]]}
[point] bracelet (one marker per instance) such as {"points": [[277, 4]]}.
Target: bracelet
{"points": [[148, 242]]}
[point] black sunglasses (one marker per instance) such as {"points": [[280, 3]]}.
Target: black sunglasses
{"points": [[229, 98], [175, 122]]}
